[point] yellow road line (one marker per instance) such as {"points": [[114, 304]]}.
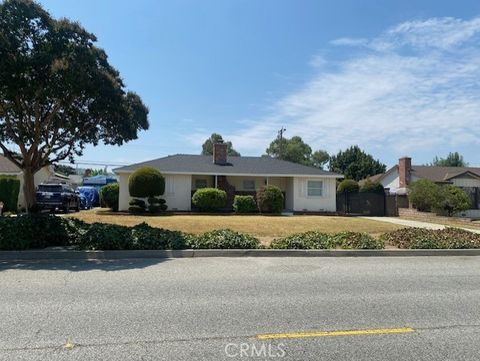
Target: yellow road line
{"points": [[373, 331]]}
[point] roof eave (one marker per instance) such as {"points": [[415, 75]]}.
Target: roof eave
{"points": [[126, 171]]}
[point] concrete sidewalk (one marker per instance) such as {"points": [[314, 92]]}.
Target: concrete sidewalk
{"points": [[418, 224]]}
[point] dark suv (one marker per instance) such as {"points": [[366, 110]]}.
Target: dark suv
{"points": [[57, 196]]}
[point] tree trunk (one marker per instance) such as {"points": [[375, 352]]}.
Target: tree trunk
{"points": [[29, 188]]}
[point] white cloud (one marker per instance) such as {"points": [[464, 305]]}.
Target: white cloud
{"points": [[414, 87]]}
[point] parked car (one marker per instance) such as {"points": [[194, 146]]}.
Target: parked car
{"points": [[57, 196]]}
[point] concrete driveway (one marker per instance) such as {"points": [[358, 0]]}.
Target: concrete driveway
{"points": [[422, 308], [418, 224]]}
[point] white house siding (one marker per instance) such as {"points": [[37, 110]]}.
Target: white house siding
{"points": [[391, 181], [41, 176], [302, 202], [124, 196], [177, 191]]}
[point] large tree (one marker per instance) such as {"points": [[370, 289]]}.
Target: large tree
{"points": [[57, 92], [452, 160], [355, 164], [207, 147], [297, 151]]}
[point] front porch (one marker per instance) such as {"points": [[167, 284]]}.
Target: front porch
{"points": [[244, 185]]}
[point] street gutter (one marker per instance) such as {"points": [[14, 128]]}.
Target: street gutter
{"points": [[66, 254]]}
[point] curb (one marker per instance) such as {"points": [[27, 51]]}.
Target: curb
{"points": [[189, 253]]}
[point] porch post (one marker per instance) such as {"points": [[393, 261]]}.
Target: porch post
{"points": [[267, 181], [216, 181]]}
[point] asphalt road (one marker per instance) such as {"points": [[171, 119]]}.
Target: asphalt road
{"points": [[214, 308]]}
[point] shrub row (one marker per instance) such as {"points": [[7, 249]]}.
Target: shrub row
{"points": [[319, 240], [40, 231], [448, 238]]}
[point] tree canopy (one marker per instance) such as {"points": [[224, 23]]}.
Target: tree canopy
{"points": [[207, 147], [452, 160], [297, 151], [58, 91], [355, 164]]}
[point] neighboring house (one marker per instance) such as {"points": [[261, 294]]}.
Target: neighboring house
{"points": [[98, 181], [306, 189], [397, 178], [9, 168]]}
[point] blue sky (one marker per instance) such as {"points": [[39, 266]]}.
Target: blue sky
{"points": [[400, 78]]}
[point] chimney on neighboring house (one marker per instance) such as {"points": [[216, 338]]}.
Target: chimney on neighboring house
{"points": [[220, 153], [404, 170]]}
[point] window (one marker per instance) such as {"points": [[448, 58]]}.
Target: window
{"points": [[249, 185], [314, 188], [200, 183]]}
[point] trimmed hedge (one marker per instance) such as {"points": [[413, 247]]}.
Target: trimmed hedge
{"points": [[223, 238], [109, 195], [270, 199], [9, 191], [38, 231], [348, 185], [146, 237], [146, 182], [306, 240], [371, 186], [318, 240], [420, 238], [244, 204], [357, 240], [209, 199]]}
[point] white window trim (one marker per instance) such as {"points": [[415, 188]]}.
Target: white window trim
{"points": [[314, 180]]}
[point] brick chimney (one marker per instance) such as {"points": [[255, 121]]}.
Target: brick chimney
{"points": [[220, 153], [404, 169]]}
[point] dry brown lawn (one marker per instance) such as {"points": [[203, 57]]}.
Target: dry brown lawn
{"points": [[265, 228]]}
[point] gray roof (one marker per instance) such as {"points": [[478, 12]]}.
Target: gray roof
{"points": [[6, 166], [433, 173], [200, 164]]}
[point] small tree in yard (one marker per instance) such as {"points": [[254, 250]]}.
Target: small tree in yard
{"points": [[270, 199], [453, 200], [424, 194], [58, 92], [147, 182], [109, 195]]}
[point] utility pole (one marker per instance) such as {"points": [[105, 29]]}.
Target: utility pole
{"points": [[280, 138]]}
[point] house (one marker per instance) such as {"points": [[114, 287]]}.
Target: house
{"points": [[10, 169], [397, 178], [306, 189]]}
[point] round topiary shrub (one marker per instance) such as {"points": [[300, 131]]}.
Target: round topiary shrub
{"points": [[109, 195], [347, 186], [270, 199], [209, 199], [244, 204], [146, 182]]}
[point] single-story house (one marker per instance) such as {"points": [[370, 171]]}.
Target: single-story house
{"points": [[10, 169], [306, 189], [397, 179]]}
